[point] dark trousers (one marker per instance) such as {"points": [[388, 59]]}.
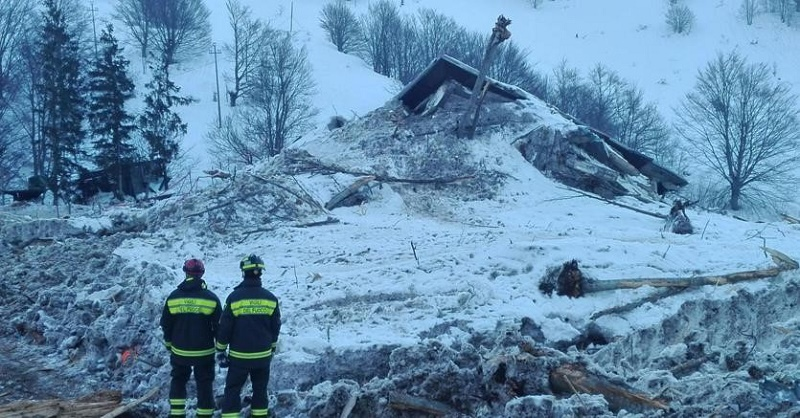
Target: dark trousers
{"points": [[237, 376], [203, 377]]}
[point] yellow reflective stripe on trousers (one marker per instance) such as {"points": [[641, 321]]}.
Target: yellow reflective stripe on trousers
{"points": [[259, 412], [250, 356], [203, 411], [191, 353], [253, 307], [230, 415], [177, 407], [191, 305]]}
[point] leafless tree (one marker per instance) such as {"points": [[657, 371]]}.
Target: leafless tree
{"points": [[783, 8], [278, 108], [639, 126], [749, 8], [568, 92], [744, 125], [680, 18], [16, 27], [15, 22], [136, 17], [342, 26], [405, 55], [245, 49], [382, 27], [436, 33], [181, 29]]}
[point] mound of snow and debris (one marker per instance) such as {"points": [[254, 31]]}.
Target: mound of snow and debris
{"points": [[420, 297]]}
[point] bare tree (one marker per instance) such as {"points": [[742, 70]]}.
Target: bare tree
{"points": [[639, 126], [245, 50], [342, 26], [181, 30], [278, 108], [136, 17], [680, 18], [436, 34], [568, 92], [744, 125], [15, 22], [405, 55], [382, 26], [749, 8], [783, 8]]}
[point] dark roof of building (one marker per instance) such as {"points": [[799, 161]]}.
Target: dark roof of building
{"points": [[448, 68]]}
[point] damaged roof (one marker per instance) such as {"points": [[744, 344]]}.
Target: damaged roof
{"points": [[423, 89], [445, 68]]}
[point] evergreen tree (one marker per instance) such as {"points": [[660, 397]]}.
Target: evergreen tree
{"points": [[160, 126], [111, 125], [62, 105]]}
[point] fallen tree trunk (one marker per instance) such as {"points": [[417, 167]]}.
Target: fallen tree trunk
{"points": [[571, 281], [601, 285], [572, 378], [94, 405]]}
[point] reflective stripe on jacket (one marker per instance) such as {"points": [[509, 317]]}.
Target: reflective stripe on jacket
{"points": [[250, 324], [189, 321]]}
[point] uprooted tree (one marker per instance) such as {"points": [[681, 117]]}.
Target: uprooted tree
{"points": [[570, 280]]}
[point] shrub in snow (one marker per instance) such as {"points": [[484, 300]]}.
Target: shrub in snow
{"points": [[680, 18]]}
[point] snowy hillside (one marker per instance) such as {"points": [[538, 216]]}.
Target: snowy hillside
{"points": [[427, 290]]}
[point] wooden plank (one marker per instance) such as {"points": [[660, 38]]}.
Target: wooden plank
{"points": [[413, 403]]}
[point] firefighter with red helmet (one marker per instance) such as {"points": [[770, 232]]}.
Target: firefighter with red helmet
{"points": [[246, 339], [189, 321]]}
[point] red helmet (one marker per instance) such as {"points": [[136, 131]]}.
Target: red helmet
{"points": [[194, 267]]}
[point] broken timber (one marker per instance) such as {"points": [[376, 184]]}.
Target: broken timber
{"points": [[571, 281], [94, 405], [573, 378], [413, 403], [337, 199], [468, 121], [125, 408]]}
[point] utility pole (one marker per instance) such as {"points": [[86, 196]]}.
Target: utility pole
{"points": [[94, 30], [216, 74], [291, 17]]}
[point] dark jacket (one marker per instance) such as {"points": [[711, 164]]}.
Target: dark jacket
{"points": [[250, 325], [189, 321]]}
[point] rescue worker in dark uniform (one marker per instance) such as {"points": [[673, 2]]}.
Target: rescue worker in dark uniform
{"points": [[189, 320], [248, 331]]}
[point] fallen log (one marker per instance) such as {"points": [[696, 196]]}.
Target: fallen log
{"points": [[665, 293], [571, 281], [94, 405], [412, 403], [572, 378]]}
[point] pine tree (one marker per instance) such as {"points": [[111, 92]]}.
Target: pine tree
{"points": [[111, 125], [62, 105], [160, 126]]}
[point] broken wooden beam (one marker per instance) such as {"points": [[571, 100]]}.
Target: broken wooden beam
{"points": [[413, 403], [573, 378], [127, 407], [338, 198], [94, 405]]}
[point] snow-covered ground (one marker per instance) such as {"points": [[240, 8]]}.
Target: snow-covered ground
{"points": [[416, 269]]}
